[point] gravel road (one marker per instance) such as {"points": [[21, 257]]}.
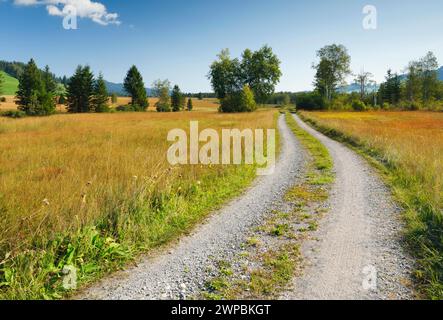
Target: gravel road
{"points": [[361, 233], [181, 273]]}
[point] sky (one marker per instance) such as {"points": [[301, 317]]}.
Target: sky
{"points": [[178, 39]]}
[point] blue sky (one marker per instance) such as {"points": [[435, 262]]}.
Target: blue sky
{"points": [[178, 39]]}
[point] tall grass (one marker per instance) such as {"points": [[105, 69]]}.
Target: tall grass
{"points": [[94, 190], [408, 147]]}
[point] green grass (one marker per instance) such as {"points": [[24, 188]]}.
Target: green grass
{"points": [[424, 223], [9, 85]]}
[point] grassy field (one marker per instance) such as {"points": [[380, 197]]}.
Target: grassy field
{"points": [[94, 190], [408, 147], [10, 84]]}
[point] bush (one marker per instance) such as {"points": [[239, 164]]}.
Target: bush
{"points": [[242, 101], [15, 114], [310, 101], [358, 105], [114, 98], [125, 108], [2, 99]]}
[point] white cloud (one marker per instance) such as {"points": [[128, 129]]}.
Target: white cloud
{"points": [[95, 11]]}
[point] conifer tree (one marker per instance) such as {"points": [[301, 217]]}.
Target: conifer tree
{"points": [[190, 106], [101, 97], [80, 91], [135, 87], [177, 99], [32, 97]]}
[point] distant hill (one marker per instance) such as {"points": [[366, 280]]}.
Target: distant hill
{"points": [[119, 89], [10, 84]]}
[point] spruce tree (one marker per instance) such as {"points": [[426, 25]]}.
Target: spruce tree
{"points": [[135, 87], [1, 83], [190, 106], [80, 91], [177, 99], [101, 97], [49, 81], [32, 97]]}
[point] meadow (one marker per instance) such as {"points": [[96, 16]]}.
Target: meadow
{"points": [[95, 190], [10, 84], [408, 148]]}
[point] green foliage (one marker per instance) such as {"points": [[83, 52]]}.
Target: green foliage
{"points": [[190, 106], [114, 98], [100, 99], [177, 99], [242, 101], [15, 114], [390, 91], [80, 91], [358, 105], [2, 81], [332, 69], [32, 97], [161, 90], [135, 87], [310, 101], [49, 81], [259, 70]]}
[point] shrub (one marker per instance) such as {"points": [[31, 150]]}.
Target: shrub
{"points": [[2, 99], [358, 105], [125, 108], [114, 98], [242, 101], [15, 114], [310, 101]]}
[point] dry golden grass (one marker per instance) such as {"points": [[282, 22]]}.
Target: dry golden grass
{"points": [[63, 171], [9, 104], [413, 140]]}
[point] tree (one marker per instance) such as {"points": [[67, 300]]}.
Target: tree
{"points": [[332, 69], [364, 80], [135, 87], [224, 75], [80, 91], [1, 83], [114, 98], [190, 106], [177, 99], [260, 70], [241, 101], [32, 97], [200, 96], [413, 81], [247, 100], [101, 97], [161, 90], [429, 76], [49, 81], [390, 91]]}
